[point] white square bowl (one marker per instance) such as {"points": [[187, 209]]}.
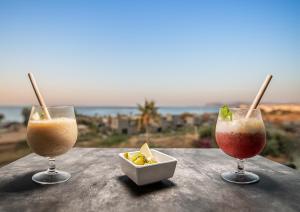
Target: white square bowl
{"points": [[146, 174]]}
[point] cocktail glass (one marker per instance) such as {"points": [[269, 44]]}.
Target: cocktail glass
{"points": [[50, 138], [241, 138]]}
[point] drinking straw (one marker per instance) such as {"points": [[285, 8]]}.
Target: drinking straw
{"points": [[39, 95], [259, 95]]}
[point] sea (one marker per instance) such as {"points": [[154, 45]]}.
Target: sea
{"points": [[13, 113]]}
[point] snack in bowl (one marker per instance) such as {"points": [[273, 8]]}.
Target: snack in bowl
{"points": [[143, 157], [147, 165]]}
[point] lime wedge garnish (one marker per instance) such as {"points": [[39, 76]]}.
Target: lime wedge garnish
{"points": [[145, 150]]}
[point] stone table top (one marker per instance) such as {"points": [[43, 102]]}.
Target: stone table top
{"points": [[98, 184]]}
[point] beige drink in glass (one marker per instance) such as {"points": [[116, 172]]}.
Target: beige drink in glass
{"points": [[51, 136]]}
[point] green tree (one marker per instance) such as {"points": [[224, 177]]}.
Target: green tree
{"points": [[1, 117], [148, 113], [25, 114]]}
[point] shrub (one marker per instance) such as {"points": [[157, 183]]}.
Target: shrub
{"points": [[271, 148], [206, 132], [279, 143], [115, 139]]}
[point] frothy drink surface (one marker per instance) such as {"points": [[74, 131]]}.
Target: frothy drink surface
{"points": [[241, 138], [51, 137]]}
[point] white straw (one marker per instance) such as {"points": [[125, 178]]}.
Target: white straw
{"points": [[39, 95], [259, 95]]}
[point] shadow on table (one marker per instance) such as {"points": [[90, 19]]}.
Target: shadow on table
{"points": [[266, 184], [279, 190], [20, 183], [269, 184], [146, 189]]}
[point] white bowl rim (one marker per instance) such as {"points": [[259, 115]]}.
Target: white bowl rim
{"points": [[148, 165]]}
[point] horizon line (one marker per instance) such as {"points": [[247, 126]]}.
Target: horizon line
{"points": [[131, 106]]}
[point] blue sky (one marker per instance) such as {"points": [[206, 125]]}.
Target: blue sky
{"points": [[175, 52]]}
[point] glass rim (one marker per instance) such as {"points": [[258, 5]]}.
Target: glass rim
{"points": [[54, 106], [241, 109]]}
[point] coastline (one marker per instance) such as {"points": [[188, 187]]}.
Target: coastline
{"points": [[185, 129], [13, 113]]}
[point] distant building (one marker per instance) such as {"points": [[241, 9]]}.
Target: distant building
{"points": [[128, 125], [192, 120], [175, 120], [154, 127], [164, 123], [83, 129], [123, 125], [107, 121]]}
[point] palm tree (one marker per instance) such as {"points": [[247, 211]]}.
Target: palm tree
{"points": [[25, 113], [1, 117], [148, 113]]}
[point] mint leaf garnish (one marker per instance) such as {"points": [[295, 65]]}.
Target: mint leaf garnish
{"points": [[226, 114]]}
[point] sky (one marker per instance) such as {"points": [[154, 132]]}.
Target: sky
{"points": [[178, 53]]}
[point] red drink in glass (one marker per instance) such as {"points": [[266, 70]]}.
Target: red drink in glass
{"points": [[241, 145], [241, 138]]}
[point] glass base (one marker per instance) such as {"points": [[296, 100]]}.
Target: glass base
{"points": [[238, 178], [47, 177]]}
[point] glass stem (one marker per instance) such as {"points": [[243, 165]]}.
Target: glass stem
{"points": [[51, 163], [240, 167]]}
